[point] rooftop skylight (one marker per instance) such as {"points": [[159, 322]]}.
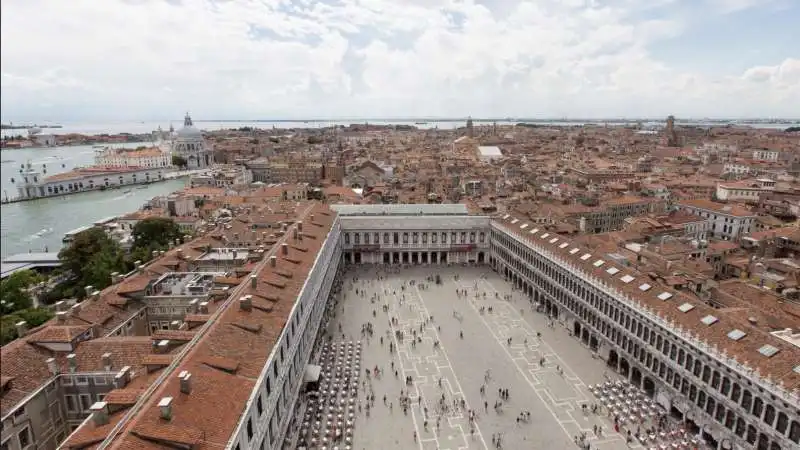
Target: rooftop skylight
{"points": [[612, 271], [506, 216], [599, 263], [523, 226], [586, 256], [563, 245], [644, 287], [544, 236], [709, 320], [768, 350], [627, 279], [574, 250], [686, 307], [736, 334], [665, 296], [514, 221], [554, 240]]}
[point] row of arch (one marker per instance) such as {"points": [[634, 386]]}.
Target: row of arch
{"points": [[581, 329]]}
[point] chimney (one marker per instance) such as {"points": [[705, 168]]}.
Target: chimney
{"points": [[300, 224], [166, 408], [294, 233], [193, 305], [22, 328], [162, 346], [312, 218], [283, 227], [73, 363], [273, 261], [115, 277], [52, 366], [186, 382], [179, 253], [76, 309], [61, 317], [284, 249], [138, 265], [61, 305], [155, 254], [122, 378], [106, 358], [236, 236], [245, 303], [99, 413], [253, 281], [174, 325], [88, 289], [95, 295], [204, 308]]}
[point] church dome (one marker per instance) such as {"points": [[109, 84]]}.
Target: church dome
{"points": [[188, 131]]}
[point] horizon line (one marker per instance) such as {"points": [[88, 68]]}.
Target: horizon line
{"points": [[442, 119]]}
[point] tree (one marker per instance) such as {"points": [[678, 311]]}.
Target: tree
{"points": [[91, 258], [14, 290], [155, 233], [179, 161], [33, 316]]}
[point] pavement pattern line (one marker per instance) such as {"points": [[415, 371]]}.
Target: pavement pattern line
{"points": [[420, 381], [500, 330]]}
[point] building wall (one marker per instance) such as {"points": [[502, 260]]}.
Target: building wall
{"points": [[723, 226], [46, 188], [720, 397], [54, 411], [415, 239]]}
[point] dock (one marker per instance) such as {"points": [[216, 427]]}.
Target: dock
{"points": [[29, 261]]}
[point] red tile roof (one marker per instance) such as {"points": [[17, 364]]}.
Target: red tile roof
{"points": [[779, 367], [228, 357]]}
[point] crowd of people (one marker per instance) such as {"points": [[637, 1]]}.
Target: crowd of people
{"points": [[354, 391]]}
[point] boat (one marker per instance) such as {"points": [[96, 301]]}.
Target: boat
{"points": [[128, 191], [420, 123]]}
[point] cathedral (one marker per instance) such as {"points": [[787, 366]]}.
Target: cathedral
{"points": [[189, 144]]}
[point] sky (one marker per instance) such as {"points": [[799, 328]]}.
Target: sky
{"points": [[118, 60]]}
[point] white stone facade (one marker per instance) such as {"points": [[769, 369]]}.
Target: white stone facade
{"points": [[188, 143]]}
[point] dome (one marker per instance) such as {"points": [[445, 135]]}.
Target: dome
{"points": [[189, 131]]}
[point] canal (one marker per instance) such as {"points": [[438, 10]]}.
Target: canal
{"points": [[39, 225]]}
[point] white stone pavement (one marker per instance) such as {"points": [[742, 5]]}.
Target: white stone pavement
{"points": [[554, 400]]}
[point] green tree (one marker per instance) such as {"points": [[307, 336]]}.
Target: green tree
{"points": [[155, 233], [91, 258], [8, 331], [33, 316], [179, 161], [14, 290]]}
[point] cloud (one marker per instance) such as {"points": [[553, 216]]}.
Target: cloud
{"points": [[140, 59]]}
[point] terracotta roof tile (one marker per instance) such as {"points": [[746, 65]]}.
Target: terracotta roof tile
{"points": [[58, 334], [779, 367], [123, 397], [228, 357]]}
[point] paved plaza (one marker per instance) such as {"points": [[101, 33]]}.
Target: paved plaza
{"points": [[456, 369]]}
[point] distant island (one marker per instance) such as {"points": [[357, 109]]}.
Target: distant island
{"points": [[4, 126]]}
